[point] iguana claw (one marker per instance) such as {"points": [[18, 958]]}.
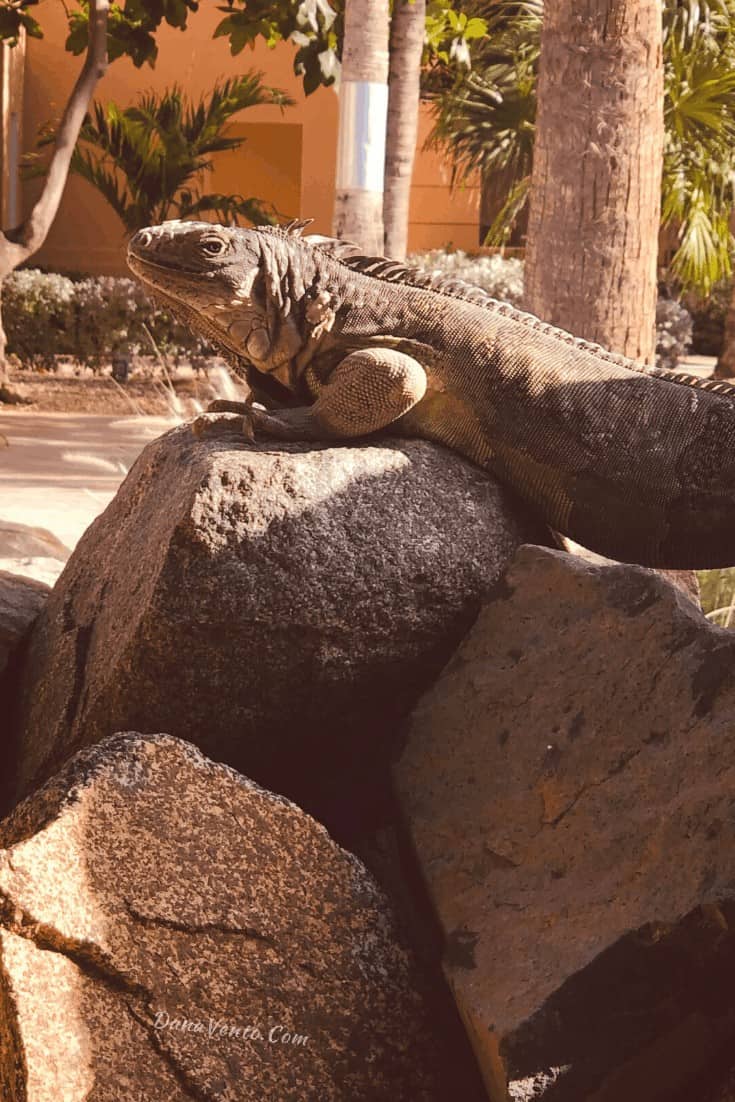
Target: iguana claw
{"points": [[211, 425]]}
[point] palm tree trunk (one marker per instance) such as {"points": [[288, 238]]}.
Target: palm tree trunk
{"points": [[18, 244], [363, 105], [407, 28], [596, 184]]}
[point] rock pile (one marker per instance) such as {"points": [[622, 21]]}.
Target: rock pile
{"points": [[560, 840]]}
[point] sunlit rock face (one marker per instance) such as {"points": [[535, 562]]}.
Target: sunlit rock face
{"points": [[281, 606], [169, 931], [568, 785]]}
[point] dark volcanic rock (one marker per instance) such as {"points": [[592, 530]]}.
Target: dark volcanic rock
{"points": [[569, 786], [282, 606], [170, 931]]}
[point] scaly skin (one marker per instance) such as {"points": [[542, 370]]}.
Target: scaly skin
{"points": [[636, 465]]}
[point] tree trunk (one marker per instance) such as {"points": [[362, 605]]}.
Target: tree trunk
{"points": [[18, 244], [596, 184], [407, 28], [363, 105]]}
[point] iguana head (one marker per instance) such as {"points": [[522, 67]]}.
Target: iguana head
{"points": [[212, 276], [253, 291]]}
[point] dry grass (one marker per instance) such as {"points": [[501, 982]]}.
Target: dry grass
{"points": [[718, 596]]}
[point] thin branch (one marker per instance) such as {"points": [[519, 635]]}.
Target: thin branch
{"points": [[31, 234]]}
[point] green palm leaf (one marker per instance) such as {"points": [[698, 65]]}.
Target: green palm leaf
{"points": [[228, 208], [146, 159]]}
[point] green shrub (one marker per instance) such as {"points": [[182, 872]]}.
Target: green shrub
{"points": [[38, 314], [91, 319]]}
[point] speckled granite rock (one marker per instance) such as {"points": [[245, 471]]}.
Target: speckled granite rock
{"points": [[685, 580], [170, 931], [281, 606], [569, 785], [21, 600]]}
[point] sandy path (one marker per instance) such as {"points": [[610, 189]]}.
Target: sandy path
{"points": [[60, 470]]}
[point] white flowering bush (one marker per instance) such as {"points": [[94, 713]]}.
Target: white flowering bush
{"points": [[502, 277], [91, 320], [37, 314], [673, 332]]}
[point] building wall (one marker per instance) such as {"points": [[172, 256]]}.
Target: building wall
{"points": [[288, 158]]}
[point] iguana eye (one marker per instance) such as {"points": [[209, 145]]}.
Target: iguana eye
{"points": [[214, 246]]}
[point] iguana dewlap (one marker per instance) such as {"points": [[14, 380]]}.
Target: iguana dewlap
{"points": [[636, 464]]}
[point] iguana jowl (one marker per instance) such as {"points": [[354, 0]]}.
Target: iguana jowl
{"points": [[636, 464]]}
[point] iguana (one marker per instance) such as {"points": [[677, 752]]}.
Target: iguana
{"points": [[637, 464]]}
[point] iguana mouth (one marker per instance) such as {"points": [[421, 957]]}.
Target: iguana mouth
{"points": [[140, 263]]}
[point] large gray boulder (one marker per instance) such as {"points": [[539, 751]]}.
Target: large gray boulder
{"points": [[569, 786], [170, 931], [282, 606]]}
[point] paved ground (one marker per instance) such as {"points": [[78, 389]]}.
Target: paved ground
{"points": [[57, 472]]}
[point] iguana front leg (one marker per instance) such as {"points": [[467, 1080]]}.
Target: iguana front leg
{"points": [[366, 391]]}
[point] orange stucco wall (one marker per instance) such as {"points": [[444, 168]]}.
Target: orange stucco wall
{"points": [[288, 158]]}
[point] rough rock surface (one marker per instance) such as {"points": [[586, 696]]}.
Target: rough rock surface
{"points": [[21, 600], [685, 580], [170, 931], [281, 606], [569, 786]]}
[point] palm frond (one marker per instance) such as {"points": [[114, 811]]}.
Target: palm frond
{"points": [[230, 209], [146, 159], [508, 215]]}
